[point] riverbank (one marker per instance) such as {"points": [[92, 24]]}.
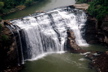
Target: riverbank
{"points": [[18, 8], [40, 6]]}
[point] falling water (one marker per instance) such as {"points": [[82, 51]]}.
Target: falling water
{"points": [[44, 33]]}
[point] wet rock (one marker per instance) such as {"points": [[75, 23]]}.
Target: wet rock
{"points": [[13, 69], [71, 41], [101, 62]]}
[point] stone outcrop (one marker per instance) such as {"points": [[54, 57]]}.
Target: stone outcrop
{"points": [[96, 32], [71, 43], [83, 6], [91, 30], [8, 50], [104, 30]]}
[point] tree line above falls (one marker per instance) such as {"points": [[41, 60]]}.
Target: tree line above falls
{"points": [[98, 8], [9, 5]]}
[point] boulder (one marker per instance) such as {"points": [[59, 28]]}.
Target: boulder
{"points": [[71, 43]]}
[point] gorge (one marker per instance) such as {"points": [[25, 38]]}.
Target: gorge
{"points": [[46, 33], [41, 40]]}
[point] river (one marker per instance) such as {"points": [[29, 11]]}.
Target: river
{"points": [[67, 62], [41, 6]]}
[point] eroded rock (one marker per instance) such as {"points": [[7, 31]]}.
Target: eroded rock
{"points": [[8, 52], [83, 6], [71, 43]]}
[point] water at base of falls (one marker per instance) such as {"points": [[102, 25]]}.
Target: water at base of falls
{"points": [[67, 62], [44, 33]]}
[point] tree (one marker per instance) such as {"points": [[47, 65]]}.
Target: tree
{"points": [[1, 5]]}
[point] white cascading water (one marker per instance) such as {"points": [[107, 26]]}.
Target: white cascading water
{"points": [[46, 33]]}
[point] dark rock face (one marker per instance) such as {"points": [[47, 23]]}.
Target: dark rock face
{"points": [[91, 30], [96, 31], [8, 52], [104, 29]]}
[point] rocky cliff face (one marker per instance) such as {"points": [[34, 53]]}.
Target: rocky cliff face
{"points": [[96, 31], [104, 30], [8, 50], [91, 30]]}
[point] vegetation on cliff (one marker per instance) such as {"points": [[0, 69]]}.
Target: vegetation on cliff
{"points": [[98, 8]]}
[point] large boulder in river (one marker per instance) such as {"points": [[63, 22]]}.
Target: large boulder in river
{"points": [[71, 43]]}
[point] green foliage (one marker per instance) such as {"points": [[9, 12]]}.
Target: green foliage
{"points": [[6, 5], [5, 41], [28, 2], [98, 8], [1, 4], [4, 38]]}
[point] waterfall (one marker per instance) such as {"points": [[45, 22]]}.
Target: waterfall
{"points": [[44, 33]]}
